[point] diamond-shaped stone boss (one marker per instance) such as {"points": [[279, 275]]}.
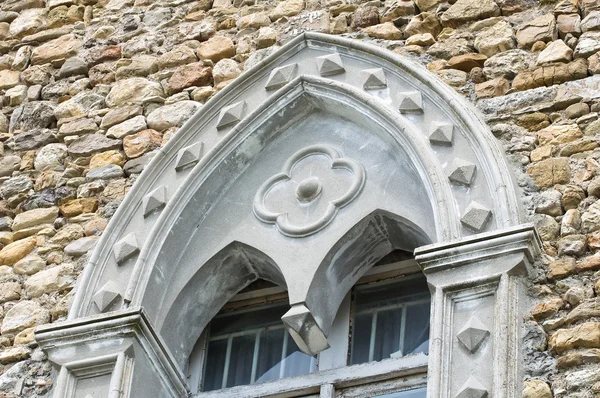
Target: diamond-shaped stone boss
{"points": [[473, 334], [472, 389], [462, 172], [329, 65], [476, 216]]}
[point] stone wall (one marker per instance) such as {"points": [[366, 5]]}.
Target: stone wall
{"points": [[91, 89]]}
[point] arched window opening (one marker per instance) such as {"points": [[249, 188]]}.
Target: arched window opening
{"points": [[386, 315]]}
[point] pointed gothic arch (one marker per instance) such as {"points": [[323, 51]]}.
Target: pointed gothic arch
{"points": [[287, 163]]}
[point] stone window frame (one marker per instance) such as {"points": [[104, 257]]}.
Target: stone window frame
{"points": [[483, 256], [396, 374]]}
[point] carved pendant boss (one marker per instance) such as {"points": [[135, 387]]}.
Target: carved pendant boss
{"points": [[312, 186]]}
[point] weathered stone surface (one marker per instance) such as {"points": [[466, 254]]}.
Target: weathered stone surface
{"points": [[547, 308], [549, 75], [50, 157], [92, 143], [76, 207], [29, 265], [561, 268], [590, 219], [81, 246], [225, 70], [8, 79], [287, 8], [536, 388], [588, 44], [425, 22], [172, 115], [9, 164], [108, 157], [195, 74], [118, 115], [80, 105], [181, 55], [136, 90], [35, 217], [39, 114], [540, 29], [386, 31], [56, 50], [216, 48], [136, 145], [107, 172], [581, 336], [72, 67], [492, 88], [49, 280], [253, 21], [507, 64], [469, 10], [559, 134], [127, 127], [15, 251], [23, 315], [548, 172], [78, 127], [28, 22], [556, 51]]}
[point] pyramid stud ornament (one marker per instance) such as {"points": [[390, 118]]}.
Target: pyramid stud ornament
{"points": [[126, 247], [279, 77], [373, 79], [329, 65], [472, 389], [410, 101], [231, 114], [155, 200], [476, 216], [473, 334], [441, 133], [189, 156], [462, 172], [107, 296]]}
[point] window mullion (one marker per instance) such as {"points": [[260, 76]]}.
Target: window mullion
{"points": [[227, 361], [373, 334], [404, 310], [255, 356], [283, 356]]}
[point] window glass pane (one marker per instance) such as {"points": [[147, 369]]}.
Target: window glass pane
{"points": [[213, 375], [240, 362], [296, 362], [260, 349], [390, 319], [387, 334], [269, 356], [361, 339], [416, 337], [417, 393]]}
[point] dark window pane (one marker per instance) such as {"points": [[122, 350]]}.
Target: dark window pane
{"points": [[269, 355], [387, 333], [240, 364], [416, 337], [361, 338], [215, 364]]}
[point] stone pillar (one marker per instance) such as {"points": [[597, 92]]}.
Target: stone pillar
{"points": [[478, 299], [114, 355]]}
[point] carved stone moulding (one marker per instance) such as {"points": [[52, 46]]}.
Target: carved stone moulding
{"points": [[308, 190], [97, 355], [477, 287]]}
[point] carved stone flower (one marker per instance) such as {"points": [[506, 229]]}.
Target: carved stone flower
{"points": [[308, 192]]}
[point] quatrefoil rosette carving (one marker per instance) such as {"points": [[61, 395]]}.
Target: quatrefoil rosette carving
{"points": [[306, 195]]}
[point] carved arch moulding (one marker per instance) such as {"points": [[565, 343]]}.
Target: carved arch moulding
{"points": [[313, 164]]}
